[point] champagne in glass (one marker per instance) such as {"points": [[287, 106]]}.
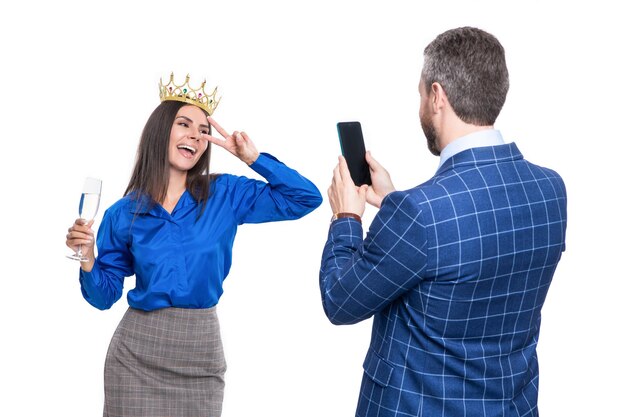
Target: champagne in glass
{"points": [[88, 208]]}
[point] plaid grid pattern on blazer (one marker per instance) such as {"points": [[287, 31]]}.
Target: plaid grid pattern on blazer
{"points": [[455, 272]]}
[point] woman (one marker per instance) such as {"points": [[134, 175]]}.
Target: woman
{"points": [[174, 230]]}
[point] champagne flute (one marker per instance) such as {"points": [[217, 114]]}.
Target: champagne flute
{"points": [[87, 209]]}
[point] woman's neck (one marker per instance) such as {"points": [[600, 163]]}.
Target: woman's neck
{"points": [[175, 188]]}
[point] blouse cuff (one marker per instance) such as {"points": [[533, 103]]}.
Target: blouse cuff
{"points": [[89, 280], [265, 164]]}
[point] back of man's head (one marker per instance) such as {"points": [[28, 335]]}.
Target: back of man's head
{"points": [[469, 64]]}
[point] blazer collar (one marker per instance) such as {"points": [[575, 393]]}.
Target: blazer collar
{"points": [[481, 156]]}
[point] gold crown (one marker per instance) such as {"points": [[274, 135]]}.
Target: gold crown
{"points": [[184, 92]]}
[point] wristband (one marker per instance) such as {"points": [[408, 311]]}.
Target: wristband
{"points": [[345, 215]]}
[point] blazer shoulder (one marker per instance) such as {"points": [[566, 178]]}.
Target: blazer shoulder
{"points": [[541, 173], [415, 201], [412, 196], [548, 172], [425, 192]]}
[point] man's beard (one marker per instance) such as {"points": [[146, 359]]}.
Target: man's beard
{"points": [[431, 135]]}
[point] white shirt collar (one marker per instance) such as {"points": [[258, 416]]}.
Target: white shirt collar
{"points": [[489, 137]]}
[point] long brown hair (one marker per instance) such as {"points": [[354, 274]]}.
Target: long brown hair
{"points": [[151, 173]]}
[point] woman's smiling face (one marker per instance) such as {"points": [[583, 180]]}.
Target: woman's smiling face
{"points": [[186, 142]]}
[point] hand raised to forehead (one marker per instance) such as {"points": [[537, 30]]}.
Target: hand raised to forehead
{"points": [[237, 143]]}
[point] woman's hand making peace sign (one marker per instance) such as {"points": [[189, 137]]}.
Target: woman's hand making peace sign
{"points": [[237, 143]]}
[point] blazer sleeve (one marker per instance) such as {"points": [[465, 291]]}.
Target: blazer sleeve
{"points": [[360, 278]]}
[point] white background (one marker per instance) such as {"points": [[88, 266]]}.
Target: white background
{"points": [[79, 81]]}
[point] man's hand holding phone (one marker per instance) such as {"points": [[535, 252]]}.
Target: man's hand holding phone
{"points": [[381, 182], [343, 195], [363, 168]]}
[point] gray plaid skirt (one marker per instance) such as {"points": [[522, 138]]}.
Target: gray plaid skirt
{"points": [[167, 362]]}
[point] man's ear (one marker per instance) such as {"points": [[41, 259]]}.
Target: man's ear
{"points": [[438, 98]]}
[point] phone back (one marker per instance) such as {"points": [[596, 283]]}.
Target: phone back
{"points": [[353, 149]]}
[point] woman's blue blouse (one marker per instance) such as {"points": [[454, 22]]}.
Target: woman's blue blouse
{"points": [[178, 259]]}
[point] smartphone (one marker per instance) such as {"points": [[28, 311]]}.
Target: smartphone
{"points": [[353, 149]]}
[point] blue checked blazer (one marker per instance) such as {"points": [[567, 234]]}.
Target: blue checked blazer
{"points": [[455, 272]]}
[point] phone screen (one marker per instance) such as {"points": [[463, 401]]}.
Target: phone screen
{"points": [[353, 149]]}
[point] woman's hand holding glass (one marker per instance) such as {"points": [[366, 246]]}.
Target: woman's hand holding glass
{"points": [[81, 236], [237, 143]]}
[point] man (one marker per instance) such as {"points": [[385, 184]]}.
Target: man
{"points": [[455, 271]]}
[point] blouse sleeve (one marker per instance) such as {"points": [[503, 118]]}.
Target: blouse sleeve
{"points": [[102, 287], [287, 195]]}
